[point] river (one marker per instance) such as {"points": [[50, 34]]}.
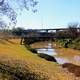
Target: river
{"points": [[48, 49], [51, 51]]}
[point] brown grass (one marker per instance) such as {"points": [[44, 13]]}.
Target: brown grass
{"points": [[17, 62]]}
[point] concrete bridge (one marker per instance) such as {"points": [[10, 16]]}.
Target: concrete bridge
{"points": [[47, 30], [46, 34], [43, 32]]}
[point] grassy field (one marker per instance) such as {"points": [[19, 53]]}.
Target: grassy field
{"points": [[17, 63]]}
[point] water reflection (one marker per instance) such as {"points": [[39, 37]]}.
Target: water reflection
{"points": [[76, 59], [50, 51], [47, 51], [61, 60]]}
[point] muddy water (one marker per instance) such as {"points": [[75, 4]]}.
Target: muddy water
{"points": [[50, 50]]}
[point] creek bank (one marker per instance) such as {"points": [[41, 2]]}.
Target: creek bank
{"points": [[70, 55], [49, 53], [62, 55], [72, 68], [42, 55]]}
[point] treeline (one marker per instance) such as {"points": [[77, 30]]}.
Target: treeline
{"points": [[6, 33], [68, 38]]}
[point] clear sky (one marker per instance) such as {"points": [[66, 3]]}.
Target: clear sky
{"points": [[51, 14]]}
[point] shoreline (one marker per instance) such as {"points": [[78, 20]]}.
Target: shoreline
{"points": [[73, 56], [70, 54]]}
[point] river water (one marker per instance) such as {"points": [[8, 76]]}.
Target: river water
{"points": [[51, 51], [66, 56]]}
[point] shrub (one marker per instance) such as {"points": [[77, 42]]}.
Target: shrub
{"points": [[31, 49], [70, 43], [47, 57], [65, 42], [76, 43]]}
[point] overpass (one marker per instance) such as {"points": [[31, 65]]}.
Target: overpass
{"points": [[43, 34], [47, 30]]}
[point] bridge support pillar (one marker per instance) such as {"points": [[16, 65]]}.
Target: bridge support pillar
{"points": [[21, 42], [47, 31], [57, 31]]}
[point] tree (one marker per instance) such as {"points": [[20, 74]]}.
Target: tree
{"points": [[8, 9], [17, 31], [5, 9], [11, 13], [2, 25], [4, 33], [73, 30]]}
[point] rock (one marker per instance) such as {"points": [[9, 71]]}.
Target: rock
{"points": [[47, 57]]}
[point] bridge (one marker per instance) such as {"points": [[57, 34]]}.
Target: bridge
{"points": [[43, 34], [47, 30], [50, 33]]}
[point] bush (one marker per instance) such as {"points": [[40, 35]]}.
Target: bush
{"points": [[64, 42], [75, 44], [31, 49], [70, 43], [47, 57]]}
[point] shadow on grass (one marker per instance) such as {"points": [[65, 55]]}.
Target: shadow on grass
{"points": [[75, 69], [19, 73], [2, 41], [10, 42]]}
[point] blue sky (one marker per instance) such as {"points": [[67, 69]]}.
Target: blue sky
{"points": [[51, 14]]}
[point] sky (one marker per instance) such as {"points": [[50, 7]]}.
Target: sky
{"points": [[51, 14]]}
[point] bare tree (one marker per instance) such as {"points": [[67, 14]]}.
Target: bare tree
{"points": [[6, 9], [73, 32], [11, 12], [2, 25]]}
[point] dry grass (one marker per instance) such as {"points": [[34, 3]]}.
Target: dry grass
{"points": [[16, 58]]}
